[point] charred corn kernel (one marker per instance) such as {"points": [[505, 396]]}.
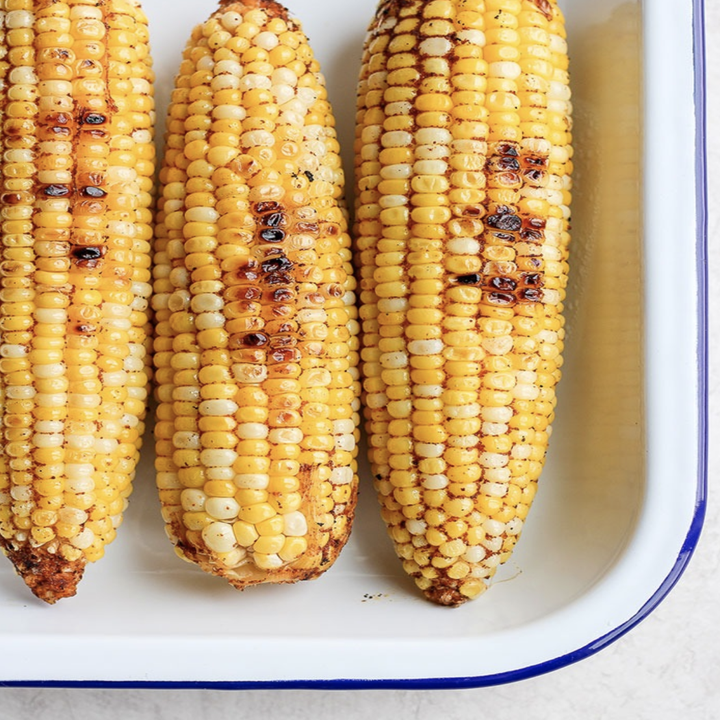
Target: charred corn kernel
{"points": [[76, 128], [463, 164], [256, 339]]}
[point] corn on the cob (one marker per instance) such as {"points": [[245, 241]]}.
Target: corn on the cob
{"points": [[463, 166], [76, 115], [256, 348]]}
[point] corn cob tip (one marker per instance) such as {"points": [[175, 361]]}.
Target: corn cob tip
{"points": [[450, 593], [49, 576], [272, 8]]}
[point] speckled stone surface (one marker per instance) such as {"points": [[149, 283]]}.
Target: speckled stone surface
{"points": [[667, 668]]}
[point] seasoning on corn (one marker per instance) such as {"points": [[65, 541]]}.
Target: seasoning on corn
{"points": [[256, 344], [76, 132], [463, 165]]}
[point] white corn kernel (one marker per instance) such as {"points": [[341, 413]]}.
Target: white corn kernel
{"points": [[266, 40], [251, 374], [345, 442], [222, 508], [185, 440], [416, 527], [341, 476], [218, 457], [219, 473], [218, 408], [252, 431], [83, 540], [494, 527], [219, 537], [193, 500], [295, 524], [462, 411], [493, 460], [429, 450], [251, 481], [434, 482], [475, 554], [435, 46], [19, 19], [394, 360]]}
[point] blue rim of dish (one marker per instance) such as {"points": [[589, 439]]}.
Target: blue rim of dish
{"points": [[688, 546]]}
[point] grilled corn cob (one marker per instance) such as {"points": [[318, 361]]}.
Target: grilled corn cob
{"points": [[76, 114], [463, 165], [256, 348]]}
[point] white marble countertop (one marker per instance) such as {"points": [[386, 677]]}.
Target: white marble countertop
{"points": [[668, 667]]}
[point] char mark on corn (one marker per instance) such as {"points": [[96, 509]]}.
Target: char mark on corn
{"points": [[463, 163]]}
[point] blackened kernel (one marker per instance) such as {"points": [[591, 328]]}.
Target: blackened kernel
{"points": [[533, 160], [534, 175], [94, 119], [56, 190], [93, 192], [501, 283], [335, 291], [266, 207], [536, 222], [498, 298], [472, 279], [507, 149], [531, 295], [511, 223], [531, 236], [272, 235], [278, 278], [532, 279], [277, 263], [87, 252], [274, 220], [255, 340], [309, 175], [503, 237], [508, 163]]}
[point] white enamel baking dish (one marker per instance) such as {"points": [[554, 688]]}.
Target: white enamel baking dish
{"points": [[621, 502]]}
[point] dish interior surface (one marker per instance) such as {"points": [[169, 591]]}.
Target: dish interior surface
{"points": [[588, 558]]}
